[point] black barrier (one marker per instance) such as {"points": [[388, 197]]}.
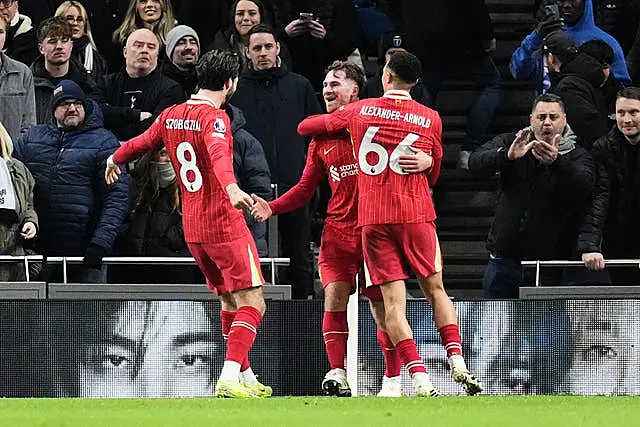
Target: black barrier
{"points": [[55, 348]]}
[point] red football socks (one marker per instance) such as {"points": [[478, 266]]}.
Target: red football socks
{"points": [[335, 332], [450, 336], [392, 361], [241, 330], [410, 356]]}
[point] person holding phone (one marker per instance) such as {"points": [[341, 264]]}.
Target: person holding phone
{"points": [[546, 179], [575, 17], [319, 32]]}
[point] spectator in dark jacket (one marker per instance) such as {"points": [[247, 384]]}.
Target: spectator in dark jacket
{"points": [[602, 52], [21, 43], [85, 51], [252, 173], [388, 45], [612, 226], [54, 65], [634, 59], [576, 18], [318, 32], [153, 226], [138, 94], [576, 78], [546, 180], [79, 215], [454, 38], [274, 101], [182, 50], [243, 16]]}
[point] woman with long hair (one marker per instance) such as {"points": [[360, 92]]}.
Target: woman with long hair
{"points": [[244, 15], [84, 50], [154, 223], [156, 15], [18, 219]]}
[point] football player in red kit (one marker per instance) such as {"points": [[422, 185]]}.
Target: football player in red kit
{"points": [[197, 136], [396, 212], [340, 259]]}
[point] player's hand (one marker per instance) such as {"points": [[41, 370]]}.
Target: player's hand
{"points": [[260, 210], [239, 199], [593, 261], [546, 153], [112, 172], [28, 230], [520, 146], [415, 163]]}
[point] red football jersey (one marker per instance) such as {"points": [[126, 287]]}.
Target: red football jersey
{"points": [[381, 130], [331, 157], [197, 136]]}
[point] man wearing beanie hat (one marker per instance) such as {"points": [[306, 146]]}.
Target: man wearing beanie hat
{"points": [[576, 78], [182, 50], [389, 44], [136, 95], [79, 215]]}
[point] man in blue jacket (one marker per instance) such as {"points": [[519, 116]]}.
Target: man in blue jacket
{"points": [[576, 18], [79, 215]]}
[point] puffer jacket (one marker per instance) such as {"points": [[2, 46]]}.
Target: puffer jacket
{"points": [[252, 172], [74, 204], [10, 239]]}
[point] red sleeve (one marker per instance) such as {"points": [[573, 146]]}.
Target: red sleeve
{"points": [[327, 124], [219, 143], [136, 147], [302, 192], [436, 152]]}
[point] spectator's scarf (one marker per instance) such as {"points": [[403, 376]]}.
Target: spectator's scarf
{"points": [[7, 194], [83, 44], [567, 142]]}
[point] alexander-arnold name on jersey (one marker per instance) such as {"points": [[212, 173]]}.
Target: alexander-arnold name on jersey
{"points": [[395, 115]]}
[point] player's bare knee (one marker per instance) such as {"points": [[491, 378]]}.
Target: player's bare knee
{"points": [[431, 286], [336, 296], [228, 302], [251, 297]]}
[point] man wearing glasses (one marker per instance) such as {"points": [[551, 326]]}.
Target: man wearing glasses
{"points": [[21, 36], [80, 215]]}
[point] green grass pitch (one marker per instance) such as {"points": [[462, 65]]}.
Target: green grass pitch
{"points": [[494, 411]]}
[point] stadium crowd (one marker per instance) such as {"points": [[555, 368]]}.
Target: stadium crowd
{"points": [[78, 78]]}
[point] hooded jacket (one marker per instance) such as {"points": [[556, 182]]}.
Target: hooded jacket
{"points": [[251, 171], [578, 84], [526, 62], [536, 213], [74, 204], [274, 102]]}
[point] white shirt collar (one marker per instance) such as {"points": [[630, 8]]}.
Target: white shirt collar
{"points": [[397, 94], [201, 99]]}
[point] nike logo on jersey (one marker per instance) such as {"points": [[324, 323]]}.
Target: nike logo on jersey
{"points": [[328, 150]]}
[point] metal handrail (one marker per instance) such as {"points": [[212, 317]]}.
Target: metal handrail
{"points": [[124, 261], [563, 263]]}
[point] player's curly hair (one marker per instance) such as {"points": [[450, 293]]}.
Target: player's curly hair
{"points": [[54, 27], [351, 71], [406, 66], [216, 67]]}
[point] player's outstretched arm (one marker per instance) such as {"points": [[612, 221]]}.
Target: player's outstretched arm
{"points": [[260, 210], [326, 124], [112, 172]]}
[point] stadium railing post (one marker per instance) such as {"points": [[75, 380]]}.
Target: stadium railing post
{"points": [[352, 342]]}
